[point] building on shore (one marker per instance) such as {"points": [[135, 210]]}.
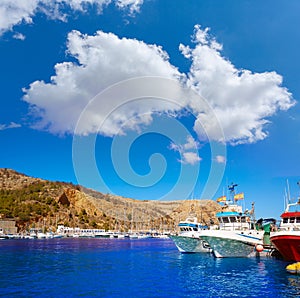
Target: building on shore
{"points": [[8, 226]]}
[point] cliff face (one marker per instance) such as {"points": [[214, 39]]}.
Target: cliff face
{"points": [[34, 202]]}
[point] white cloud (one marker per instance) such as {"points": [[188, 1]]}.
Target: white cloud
{"points": [[191, 144], [103, 60], [8, 126], [188, 151], [132, 5], [242, 101], [14, 12], [220, 159], [190, 158], [19, 36]]}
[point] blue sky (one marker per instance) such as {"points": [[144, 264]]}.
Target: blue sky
{"points": [[150, 99]]}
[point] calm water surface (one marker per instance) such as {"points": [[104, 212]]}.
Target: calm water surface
{"points": [[133, 268]]}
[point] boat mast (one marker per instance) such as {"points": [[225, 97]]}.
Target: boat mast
{"points": [[288, 191], [298, 183]]}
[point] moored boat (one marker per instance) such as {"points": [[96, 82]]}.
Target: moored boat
{"points": [[188, 240], [236, 235], [287, 238]]}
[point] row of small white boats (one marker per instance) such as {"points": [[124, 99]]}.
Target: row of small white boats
{"points": [[64, 232]]}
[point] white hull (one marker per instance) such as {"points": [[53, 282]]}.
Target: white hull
{"points": [[237, 244], [187, 244]]}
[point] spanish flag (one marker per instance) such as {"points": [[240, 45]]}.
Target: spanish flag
{"points": [[221, 199], [239, 196]]}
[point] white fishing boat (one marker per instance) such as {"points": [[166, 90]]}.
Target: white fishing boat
{"points": [[236, 235], [188, 240]]}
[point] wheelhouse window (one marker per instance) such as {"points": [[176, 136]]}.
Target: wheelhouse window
{"points": [[243, 219], [225, 219], [297, 219], [232, 219]]}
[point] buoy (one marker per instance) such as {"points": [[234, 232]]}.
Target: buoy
{"points": [[293, 268], [259, 248]]}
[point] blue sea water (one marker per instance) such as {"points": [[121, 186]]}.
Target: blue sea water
{"points": [[81, 267]]}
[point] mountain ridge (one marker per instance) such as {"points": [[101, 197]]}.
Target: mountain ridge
{"points": [[36, 202]]}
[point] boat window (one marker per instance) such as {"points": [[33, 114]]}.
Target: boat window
{"points": [[232, 219], [225, 220], [285, 220], [292, 219], [243, 219], [297, 219], [195, 229]]}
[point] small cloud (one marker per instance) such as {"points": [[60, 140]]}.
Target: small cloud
{"points": [[187, 151], [190, 158], [132, 5], [190, 144], [8, 126], [19, 36], [220, 159]]}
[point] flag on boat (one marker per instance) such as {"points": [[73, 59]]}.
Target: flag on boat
{"points": [[239, 196], [221, 199]]}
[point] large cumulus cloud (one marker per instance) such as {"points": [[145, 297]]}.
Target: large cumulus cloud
{"points": [[241, 100]]}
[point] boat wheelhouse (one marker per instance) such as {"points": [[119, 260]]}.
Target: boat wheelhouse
{"points": [[188, 240], [235, 236]]}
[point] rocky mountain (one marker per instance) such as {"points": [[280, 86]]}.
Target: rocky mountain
{"points": [[35, 202]]}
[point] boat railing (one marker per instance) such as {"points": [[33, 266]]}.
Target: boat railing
{"points": [[231, 226], [289, 228]]}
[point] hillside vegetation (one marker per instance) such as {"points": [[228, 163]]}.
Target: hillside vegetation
{"points": [[35, 202]]}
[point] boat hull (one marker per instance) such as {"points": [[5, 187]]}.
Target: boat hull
{"points": [[231, 244], [288, 244], [187, 244]]}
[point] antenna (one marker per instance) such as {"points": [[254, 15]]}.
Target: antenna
{"points": [[298, 183], [288, 191], [285, 199]]}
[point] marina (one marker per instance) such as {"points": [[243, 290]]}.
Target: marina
{"points": [[198, 260]]}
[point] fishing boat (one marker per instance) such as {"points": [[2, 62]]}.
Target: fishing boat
{"points": [[287, 238], [188, 240], [236, 234]]}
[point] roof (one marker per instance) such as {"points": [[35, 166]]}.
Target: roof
{"points": [[290, 214], [231, 213]]}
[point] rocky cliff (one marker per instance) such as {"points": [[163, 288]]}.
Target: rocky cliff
{"points": [[35, 202]]}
